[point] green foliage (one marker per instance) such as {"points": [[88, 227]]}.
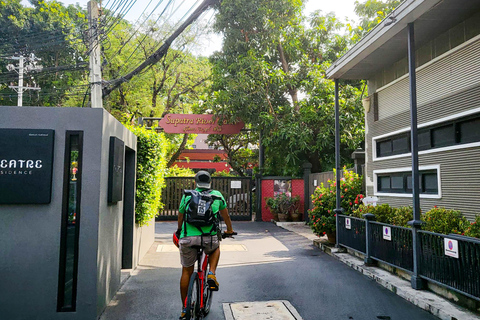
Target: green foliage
{"points": [[151, 161], [175, 171], [283, 203], [382, 212], [224, 173], [50, 31], [371, 13], [473, 230], [441, 220], [322, 216], [271, 53], [401, 217]]}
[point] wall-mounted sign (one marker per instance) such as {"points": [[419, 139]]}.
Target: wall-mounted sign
{"points": [[115, 170], [26, 161], [451, 248], [198, 123], [315, 183], [387, 233], [348, 223], [236, 184], [370, 201]]}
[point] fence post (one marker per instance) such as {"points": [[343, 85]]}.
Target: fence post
{"points": [[368, 259], [307, 169], [258, 204], [337, 212]]}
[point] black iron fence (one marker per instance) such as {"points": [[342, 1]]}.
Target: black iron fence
{"points": [[459, 271], [451, 261], [397, 250], [352, 235]]}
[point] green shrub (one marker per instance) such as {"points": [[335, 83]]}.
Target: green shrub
{"points": [[322, 216], [175, 171], [473, 230], [151, 167], [401, 216], [382, 212], [441, 220], [224, 173]]}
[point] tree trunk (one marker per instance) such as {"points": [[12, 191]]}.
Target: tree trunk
{"points": [[178, 152], [291, 90]]}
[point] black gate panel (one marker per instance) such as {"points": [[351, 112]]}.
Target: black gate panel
{"points": [[236, 191]]}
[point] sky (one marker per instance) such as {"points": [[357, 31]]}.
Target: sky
{"points": [[342, 8]]}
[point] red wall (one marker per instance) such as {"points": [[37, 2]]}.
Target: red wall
{"points": [[267, 191]]}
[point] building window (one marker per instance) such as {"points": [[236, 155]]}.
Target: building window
{"points": [[398, 144], [447, 134], [400, 182], [70, 224]]}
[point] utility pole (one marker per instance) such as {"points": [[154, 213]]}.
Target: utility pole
{"points": [[21, 69], [95, 57]]}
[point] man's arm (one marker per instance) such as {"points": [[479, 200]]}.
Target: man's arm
{"points": [[180, 221], [226, 218]]}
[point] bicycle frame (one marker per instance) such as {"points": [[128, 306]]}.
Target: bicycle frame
{"points": [[202, 262]]}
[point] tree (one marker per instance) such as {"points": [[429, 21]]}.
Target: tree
{"points": [[271, 74], [51, 32]]}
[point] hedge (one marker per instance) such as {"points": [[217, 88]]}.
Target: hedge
{"points": [[151, 168]]}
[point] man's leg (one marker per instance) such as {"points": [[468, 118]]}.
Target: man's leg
{"points": [[213, 259], [184, 282]]}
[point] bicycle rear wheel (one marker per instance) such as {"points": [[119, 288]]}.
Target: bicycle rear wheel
{"points": [[193, 298], [207, 299]]}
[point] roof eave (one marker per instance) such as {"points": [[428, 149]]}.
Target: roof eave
{"points": [[405, 13]]}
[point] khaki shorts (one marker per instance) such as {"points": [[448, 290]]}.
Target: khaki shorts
{"points": [[188, 255]]}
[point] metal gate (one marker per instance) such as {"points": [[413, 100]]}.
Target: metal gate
{"points": [[236, 191]]}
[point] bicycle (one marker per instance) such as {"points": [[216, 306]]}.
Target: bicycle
{"points": [[199, 295]]}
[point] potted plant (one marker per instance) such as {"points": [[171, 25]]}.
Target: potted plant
{"points": [[283, 206], [273, 207], [295, 214]]}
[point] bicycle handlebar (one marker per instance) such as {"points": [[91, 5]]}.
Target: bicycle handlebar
{"points": [[228, 235]]}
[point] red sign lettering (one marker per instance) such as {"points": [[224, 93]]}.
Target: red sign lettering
{"points": [[198, 123]]}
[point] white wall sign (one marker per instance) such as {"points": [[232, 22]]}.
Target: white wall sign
{"points": [[387, 233], [348, 223], [451, 248], [370, 201], [236, 184], [315, 183]]}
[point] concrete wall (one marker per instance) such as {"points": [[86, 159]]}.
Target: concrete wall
{"points": [[30, 234]]}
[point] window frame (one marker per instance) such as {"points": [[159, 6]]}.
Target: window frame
{"points": [[455, 120], [405, 172], [61, 307]]}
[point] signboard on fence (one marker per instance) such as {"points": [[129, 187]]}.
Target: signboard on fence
{"points": [[235, 184], [387, 233], [348, 223], [451, 248]]}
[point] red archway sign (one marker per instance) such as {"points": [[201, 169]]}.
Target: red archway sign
{"points": [[198, 123]]}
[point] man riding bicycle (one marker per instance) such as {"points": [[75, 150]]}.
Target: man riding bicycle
{"points": [[191, 235]]}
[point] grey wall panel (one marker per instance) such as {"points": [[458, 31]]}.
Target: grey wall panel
{"points": [[453, 73], [30, 235], [446, 87]]}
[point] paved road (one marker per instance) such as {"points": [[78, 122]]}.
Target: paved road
{"points": [[277, 265]]}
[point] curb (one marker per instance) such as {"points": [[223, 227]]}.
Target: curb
{"points": [[425, 300]]}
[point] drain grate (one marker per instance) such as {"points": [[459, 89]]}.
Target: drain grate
{"points": [[261, 310]]}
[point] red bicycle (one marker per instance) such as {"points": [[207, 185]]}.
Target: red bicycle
{"points": [[199, 296]]}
